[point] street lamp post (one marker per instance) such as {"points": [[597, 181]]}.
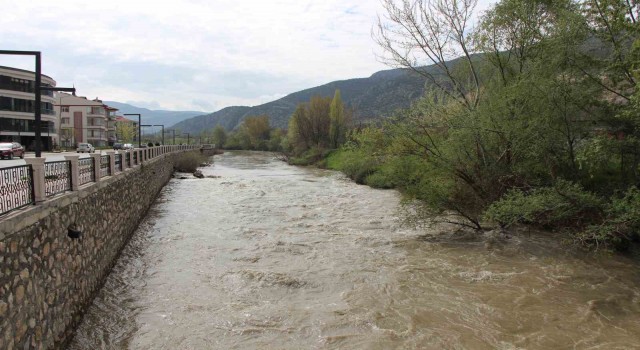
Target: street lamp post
{"points": [[161, 125], [173, 131], [162, 131], [139, 128], [188, 135], [37, 91]]}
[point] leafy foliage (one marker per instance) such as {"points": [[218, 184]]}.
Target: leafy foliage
{"points": [[189, 162], [621, 223], [126, 131], [563, 205], [316, 127], [219, 136], [254, 133], [542, 128]]}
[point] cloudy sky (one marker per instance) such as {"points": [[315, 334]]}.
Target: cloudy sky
{"points": [[200, 55]]}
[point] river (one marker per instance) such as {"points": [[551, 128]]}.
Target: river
{"points": [[263, 255]]}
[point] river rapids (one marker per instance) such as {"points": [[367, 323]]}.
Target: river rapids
{"points": [[263, 255]]}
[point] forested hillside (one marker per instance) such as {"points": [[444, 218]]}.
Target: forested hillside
{"points": [[164, 117], [374, 97]]}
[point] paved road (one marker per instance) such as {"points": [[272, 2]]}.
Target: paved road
{"points": [[51, 157]]}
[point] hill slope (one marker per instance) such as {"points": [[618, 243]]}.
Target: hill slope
{"points": [[166, 118], [373, 97]]}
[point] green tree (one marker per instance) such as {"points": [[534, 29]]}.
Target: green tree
{"points": [[219, 136], [296, 140], [125, 131], [309, 125], [614, 23], [337, 121], [257, 130], [276, 138]]}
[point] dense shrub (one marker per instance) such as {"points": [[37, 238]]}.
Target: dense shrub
{"points": [[620, 225], [563, 205], [189, 162], [310, 156]]}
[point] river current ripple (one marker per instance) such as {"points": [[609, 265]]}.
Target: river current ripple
{"points": [[271, 256]]}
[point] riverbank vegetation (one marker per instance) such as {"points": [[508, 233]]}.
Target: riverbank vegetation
{"points": [[254, 133], [314, 129], [531, 116], [189, 162], [536, 122]]}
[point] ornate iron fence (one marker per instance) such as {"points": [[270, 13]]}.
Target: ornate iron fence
{"points": [[105, 169], [16, 188], [118, 162], [86, 171], [57, 177]]}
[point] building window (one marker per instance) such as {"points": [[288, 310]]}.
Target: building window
{"points": [[15, 84], [65, 109], [23, 125], [65, 121], [6, 103], [27, 106]]}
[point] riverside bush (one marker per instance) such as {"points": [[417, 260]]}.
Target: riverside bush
{"points": [[310, 156], [189, 162], [354, 163], [358, 167], [548, 137], [563, 205], [620, 226]]}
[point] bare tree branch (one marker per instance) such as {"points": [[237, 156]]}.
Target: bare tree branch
{"points": [[424, 36]]}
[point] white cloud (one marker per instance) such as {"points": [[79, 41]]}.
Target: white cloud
{"points": [[192, 54]]}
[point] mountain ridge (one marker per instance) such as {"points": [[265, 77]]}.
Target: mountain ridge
{"points": [[372, 97], [158, 117]]}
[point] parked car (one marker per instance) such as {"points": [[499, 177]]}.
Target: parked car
{"points": [[127, 146], [85, 147], [11, 149], [118, 146]]}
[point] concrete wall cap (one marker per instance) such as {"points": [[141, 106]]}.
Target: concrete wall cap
{"points": [[35, 161]]}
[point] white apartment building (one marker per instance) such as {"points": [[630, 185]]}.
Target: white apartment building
{"points": [[84, 120], [17, 109]]}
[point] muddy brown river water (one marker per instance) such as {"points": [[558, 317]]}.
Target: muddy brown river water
{"points": [[271, 256]]}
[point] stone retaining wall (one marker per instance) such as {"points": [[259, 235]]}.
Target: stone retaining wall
{"points": [[47, 279]]}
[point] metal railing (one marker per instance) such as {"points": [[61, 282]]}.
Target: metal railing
{"points": [[18, 184], [105, 167], [118, 162], [57, 177], [16, 188], [86, 171]]}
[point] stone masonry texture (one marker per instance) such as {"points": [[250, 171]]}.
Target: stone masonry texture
{"points": [[47, 279]]}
